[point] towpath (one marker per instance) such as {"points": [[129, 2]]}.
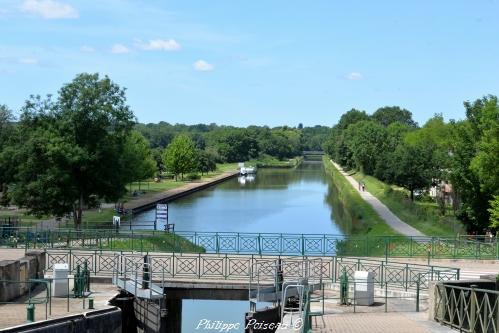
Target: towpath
{"points": [[391, 219], [147, 202]]}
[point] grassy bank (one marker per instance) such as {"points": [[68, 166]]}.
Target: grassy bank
{"points": [[364, 220], [158, 242], [423, 216], [268, 161], [95, 218], [150, 187]]}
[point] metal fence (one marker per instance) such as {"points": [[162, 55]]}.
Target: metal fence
{"points": [[253, 243], [467, 309], [241, 267], [34, 292]]}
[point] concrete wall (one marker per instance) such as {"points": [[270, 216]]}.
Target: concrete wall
{"points": [[99, 321], [29, 267], [9, 270], [150, 317]]}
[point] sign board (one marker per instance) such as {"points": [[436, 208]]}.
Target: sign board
{"points": [[162, 213], [116, 220], [240, 165]]}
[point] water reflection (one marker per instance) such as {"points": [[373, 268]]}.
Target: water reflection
{"points": [[275, 200], [246, 179]]}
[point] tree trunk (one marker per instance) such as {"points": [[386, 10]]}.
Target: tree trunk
{"points": [[412, 195], [77, 212]]}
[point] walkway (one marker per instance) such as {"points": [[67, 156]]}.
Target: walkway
{"points": [[15, 314], [378, 323], [391, 219]]}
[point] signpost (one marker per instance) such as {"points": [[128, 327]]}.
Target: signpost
{"points": [[116, 221], [162, 217]]}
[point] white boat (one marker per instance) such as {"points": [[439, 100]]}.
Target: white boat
{"points": [[247, 170]]}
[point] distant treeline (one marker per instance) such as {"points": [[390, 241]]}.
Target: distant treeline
{"points": [[236, 144], [391, 146], [84, 142]]}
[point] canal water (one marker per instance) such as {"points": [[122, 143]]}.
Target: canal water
{"points": [[300, 200], [296, 200]]}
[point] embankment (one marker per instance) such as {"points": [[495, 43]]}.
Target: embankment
{"points": [[141, 204], [356, 212]]}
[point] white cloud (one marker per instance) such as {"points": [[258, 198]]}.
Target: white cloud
{"points": [[159, 44], [49, 9], [203, 66], [87, 49], [28, 61], [119, 49], [354, 76]]}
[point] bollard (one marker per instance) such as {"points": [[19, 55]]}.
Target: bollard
{"points": [[78, 283], [90, 303], [86, 277], [344, 288], [30, 313]]}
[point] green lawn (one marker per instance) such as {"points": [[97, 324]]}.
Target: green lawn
{"points": [[151, 187], [267, 161], [159, 242], [93, 218], [423, 216]]}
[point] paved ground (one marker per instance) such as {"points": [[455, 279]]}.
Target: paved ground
{"points": [[15, 314], [11, 254], [378, 323], [391, 219]]}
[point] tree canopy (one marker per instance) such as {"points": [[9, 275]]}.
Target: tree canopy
{"points": [[180, 156], [71, 149]]}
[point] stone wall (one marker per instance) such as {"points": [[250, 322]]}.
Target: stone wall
{"points": [[31, 266]]}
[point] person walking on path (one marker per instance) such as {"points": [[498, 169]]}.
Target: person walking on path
{"points": [[391, 219]]}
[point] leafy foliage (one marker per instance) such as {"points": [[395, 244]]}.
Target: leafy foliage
{"points": [[71, 149], [180, 156]]}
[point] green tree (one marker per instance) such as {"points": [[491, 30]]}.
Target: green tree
{"points": [[206, 161], [466, 182], [390, 114], [413, 166], [138, 158], [494, 212], [351, 117], [486, 162], [71, 149], [366, 140], [180, 156], [6, 119], [6, 136]]}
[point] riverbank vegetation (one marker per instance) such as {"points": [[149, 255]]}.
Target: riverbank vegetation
{"points": [[423, 213], [164, 242], [65, 155], [267, 161], [455, 162], [356, 212], [82, 147]]}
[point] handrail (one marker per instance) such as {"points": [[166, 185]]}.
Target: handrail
{"points": [[254, 243], [469, 309]]}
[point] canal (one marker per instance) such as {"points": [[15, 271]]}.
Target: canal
{"points": [[300, 200], [296, 200]]}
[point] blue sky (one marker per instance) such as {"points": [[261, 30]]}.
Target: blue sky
{"points": [[256, 62]]}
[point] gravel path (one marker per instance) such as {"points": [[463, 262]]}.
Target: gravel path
{"points": [[391, 219]]}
